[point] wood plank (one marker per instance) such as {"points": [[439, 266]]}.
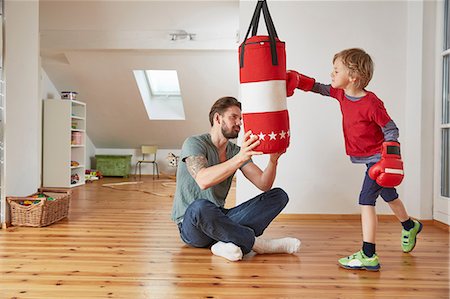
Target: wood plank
{"points": [[120, 243]]}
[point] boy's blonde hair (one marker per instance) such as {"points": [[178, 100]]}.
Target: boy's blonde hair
{"points": [[359, 64]]}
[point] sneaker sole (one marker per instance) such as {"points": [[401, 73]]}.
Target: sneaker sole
{"points": [[368, 268], [420, 229]]}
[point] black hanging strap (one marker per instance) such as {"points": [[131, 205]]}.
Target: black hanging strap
{"points": [[262, 5]]}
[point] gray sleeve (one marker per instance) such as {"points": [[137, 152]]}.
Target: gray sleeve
{"points": [[323, 89], [192, 146], [390, 131]]}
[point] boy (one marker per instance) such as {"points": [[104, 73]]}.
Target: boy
{"points": [[370, 138]]}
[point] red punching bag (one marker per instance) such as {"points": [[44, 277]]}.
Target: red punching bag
{"points": [[262, 60]]}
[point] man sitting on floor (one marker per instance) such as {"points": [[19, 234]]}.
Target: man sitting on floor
{"points": [[208, 163]]}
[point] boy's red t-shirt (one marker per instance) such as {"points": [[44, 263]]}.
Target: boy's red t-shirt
{"points": [[362, 121]]}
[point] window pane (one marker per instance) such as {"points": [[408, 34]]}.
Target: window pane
{"points": [[446, 91], [447, 25], [445, 163], [163, 82]]}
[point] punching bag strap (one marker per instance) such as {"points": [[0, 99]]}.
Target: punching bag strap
{"points": [[262, 5]]}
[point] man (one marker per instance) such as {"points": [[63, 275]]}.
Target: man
{"points": [[204, 176]]}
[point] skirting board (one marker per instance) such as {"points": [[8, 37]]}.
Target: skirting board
{"points": [[387, 218]]}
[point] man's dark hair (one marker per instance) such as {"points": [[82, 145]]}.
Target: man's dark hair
{"points": [[221, 105]]}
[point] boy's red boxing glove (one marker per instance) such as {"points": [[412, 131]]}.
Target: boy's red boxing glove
{"points": [[296, 80], [388, 172]]}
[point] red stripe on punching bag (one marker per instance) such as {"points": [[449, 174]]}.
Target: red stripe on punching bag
{"points": [[258, 60], [272, 129]]}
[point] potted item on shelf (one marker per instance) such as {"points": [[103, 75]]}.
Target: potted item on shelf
{"points": [[69, 95], [76, 138]]}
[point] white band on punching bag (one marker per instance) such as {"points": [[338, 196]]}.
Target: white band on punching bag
{"points": [[266, 96]]}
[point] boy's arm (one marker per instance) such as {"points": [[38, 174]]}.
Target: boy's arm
{"points": [[296, 80], [323, 89], [388, 172], [390, 131]]}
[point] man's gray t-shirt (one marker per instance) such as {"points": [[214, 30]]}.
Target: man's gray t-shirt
{"points": [[187, 189]]}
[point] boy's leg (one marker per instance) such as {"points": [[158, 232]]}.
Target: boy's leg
{"points": [[399, 210], [369, 192], [204, 224], [369, 222], [366, 258], [411, 228]]}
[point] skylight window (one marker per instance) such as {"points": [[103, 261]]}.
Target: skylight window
{"points": [[160, 93], [163, 82]]}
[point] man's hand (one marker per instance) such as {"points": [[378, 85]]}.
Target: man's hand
{"points": [[275, 156], [250, 142]]}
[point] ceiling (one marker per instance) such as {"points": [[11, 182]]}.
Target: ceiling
{"points": [[92, 47]]}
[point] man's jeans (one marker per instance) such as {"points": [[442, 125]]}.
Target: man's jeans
{"points": [[204, 223]]}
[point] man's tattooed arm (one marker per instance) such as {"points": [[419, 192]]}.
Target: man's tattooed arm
{"points": [[195, 164]]}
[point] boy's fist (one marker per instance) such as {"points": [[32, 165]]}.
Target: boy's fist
{"points": [[296, 80], [292, 78], [388, 172]]}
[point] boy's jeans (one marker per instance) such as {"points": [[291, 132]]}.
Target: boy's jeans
{"points": [[204, 223]]}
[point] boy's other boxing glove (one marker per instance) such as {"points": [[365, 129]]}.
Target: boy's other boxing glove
{"points": [[388, 172], [296, 80]]}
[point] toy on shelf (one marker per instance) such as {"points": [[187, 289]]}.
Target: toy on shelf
{"points": [[74, 178], [92, 175]]}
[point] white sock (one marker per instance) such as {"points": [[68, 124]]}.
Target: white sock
{"points": [[283, 245], [227, 250]]}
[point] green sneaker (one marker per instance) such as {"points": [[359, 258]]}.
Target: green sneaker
{"points": [[409, 236], [359, 261]]}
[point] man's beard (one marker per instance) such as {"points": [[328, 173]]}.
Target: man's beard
{"points": [[231, 133]]}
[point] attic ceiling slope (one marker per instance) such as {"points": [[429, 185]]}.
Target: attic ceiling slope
{"points": [[93, 47]]}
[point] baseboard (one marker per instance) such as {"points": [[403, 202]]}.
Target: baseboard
{"points": [[441, 225], [5, 225], [331, 217], [385, 218]]}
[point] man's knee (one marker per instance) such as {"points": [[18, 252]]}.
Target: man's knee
{"points": [[199, 206], [280, 195]]}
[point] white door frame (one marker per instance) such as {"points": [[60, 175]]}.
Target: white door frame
{"points": [[441, 204]]}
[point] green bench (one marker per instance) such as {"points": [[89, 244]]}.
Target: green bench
{"points": [[114, 165]]}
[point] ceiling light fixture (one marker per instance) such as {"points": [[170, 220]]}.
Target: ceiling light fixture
{"points": [[181, 34]]}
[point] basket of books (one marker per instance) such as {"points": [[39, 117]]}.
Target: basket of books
{"points": [[43, 208]]}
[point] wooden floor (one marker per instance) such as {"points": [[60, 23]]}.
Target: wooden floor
{"points": [[122, 244]]}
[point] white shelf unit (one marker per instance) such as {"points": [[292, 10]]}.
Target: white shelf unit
{"points": [[64, 142]]}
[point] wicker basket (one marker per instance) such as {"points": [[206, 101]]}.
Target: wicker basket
{"points": [[43, 213]]}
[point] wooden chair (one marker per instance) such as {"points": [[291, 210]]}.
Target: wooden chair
{"points": [[149, 150]]}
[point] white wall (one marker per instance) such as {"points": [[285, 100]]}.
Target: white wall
{"points": [[90, 152], [48, 89], [23, 98], [419, 109], [315, 171]]}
